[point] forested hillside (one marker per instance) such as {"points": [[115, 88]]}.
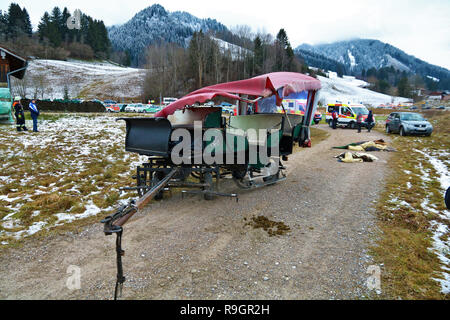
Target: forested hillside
{"points": [[53, 39]]}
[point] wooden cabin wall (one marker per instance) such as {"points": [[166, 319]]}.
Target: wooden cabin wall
{"points": [[4, 69]]}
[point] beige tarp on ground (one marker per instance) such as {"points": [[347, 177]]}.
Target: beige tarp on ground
{"points": [[366, 145], [354, 157]]}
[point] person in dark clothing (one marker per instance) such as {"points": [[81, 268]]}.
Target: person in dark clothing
{"points": [[359, 121], [370, 121], [334, 115], [20, 116], [34, 114], [447, 198]]}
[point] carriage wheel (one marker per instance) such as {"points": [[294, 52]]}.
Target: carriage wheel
{"points": [[157, 177], [141, 181]]}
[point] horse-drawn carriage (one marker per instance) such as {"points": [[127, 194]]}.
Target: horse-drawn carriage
{"points": [[189, 145]]}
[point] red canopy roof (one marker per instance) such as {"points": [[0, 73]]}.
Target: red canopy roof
{"points": [[261, 86]]}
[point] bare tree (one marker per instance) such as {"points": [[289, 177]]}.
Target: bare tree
{"points": [[20, 87], [39, 85]]}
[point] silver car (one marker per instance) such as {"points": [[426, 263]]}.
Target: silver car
{"points": [[406, 123]]}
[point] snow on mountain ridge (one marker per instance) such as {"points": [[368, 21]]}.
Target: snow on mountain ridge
{"points": [[367, 54], [153, 25]]}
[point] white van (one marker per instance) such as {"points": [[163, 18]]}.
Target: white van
{"points": [[167, 101], [347, 114]]}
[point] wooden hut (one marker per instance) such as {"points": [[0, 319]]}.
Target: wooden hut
{"points": [[11, 64]]}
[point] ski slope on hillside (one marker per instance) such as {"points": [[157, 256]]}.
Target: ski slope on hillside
{"points": [[86, 80], [350, 90]]}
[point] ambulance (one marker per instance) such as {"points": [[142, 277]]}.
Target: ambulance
{"points": [[347, 114]]}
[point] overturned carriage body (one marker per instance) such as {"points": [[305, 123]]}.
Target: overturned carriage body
{"points": [[249, 147]]}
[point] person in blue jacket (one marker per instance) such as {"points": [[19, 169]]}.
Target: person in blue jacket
{"points": [[34, 114]]}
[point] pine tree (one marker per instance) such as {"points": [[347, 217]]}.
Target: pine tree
{"points": [[3, 26], [404, 89], [54, 32], [18, 22], [27, 23], [43, 27], [66, 35], [284, 59], [258, 55]]}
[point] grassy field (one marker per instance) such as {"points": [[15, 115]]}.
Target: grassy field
{"points": [[69, 172], [414, 223]]}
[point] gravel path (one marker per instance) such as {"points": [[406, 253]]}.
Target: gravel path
{"points": [[196, 249]]}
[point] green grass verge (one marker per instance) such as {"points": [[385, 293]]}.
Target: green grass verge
{"points": [[406, 226]]}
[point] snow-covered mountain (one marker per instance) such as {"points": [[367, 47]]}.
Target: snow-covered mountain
{"points": [[153, 25], [362, 54]]}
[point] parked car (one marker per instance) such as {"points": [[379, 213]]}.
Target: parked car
{"points": [[317, 117], [406, 123], [131, 108], [150, 108], [229, 110], [112, 108]]}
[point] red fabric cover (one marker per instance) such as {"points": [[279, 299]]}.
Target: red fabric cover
{"points": [[260, 86]]}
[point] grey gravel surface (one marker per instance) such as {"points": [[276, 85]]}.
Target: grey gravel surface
{"points": [[197, 249]]}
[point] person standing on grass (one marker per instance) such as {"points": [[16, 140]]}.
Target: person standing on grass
{"points": [[19, 115], [447, 198], [34, 114], [359, 119], [334, 115], [370, 121]]}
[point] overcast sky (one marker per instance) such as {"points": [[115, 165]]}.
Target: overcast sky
{"points": [[419, 27]]}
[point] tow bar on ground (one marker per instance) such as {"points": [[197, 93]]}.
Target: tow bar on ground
{"points": [[114, 224]]}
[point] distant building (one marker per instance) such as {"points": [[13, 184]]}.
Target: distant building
{"points": [[435, 96], [332, 75], [11, 64], [420, 92]]}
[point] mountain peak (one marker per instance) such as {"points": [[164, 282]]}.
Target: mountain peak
{"points": [[154, 10], [363, 54], [154, 25]]}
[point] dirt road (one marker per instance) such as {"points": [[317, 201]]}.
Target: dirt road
{"points": [[197, 249]]}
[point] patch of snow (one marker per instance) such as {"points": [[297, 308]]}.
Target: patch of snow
{"points": [[35, 227], [440, 167], [236, 52], [442, 250], [433, 78], [352, 59], [91, 210], [391, 61]]}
